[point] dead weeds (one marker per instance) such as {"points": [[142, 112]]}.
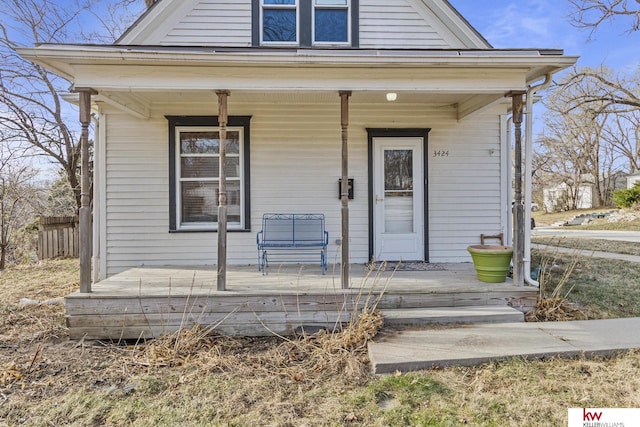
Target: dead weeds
{"points": [[194, 377], [307, 359], [555, 310]]}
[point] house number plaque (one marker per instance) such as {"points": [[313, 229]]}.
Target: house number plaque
{"points": [[440, 153]]}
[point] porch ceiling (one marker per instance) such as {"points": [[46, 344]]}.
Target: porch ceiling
{"points": [[293, 97], [140, 103]]}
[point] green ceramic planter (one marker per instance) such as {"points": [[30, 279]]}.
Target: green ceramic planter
{"points": [[491, 262]]}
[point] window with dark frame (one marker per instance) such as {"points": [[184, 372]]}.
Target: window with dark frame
{"points": [[194, 168], [280, 21], [331, 21], [306, 23]]}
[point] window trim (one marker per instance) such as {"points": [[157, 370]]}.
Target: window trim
{"points": [[208, 123], [296, 6], [315, 7], [305, 23]]}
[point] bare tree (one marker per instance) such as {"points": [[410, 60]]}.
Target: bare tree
{"points": [[590, 14], [572, 151], [33, 115], [114, 18], [607, 92], [623, 134], [615, 97], [16, 199], [599, 128]]}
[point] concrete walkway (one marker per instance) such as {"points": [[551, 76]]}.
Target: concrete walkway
{"points": [[476, 344]]}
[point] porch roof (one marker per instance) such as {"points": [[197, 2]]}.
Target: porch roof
{"points": [[133, 78], [68, 59]]}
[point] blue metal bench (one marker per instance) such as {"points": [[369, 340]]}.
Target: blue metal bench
{"points": [[288, 236]]}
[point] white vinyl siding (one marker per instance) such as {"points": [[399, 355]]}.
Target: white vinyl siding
{"points": [[400, 24], [397, 24], [295, 166], [213, 23]]}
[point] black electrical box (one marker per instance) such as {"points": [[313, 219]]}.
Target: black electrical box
{"points": [[350, 188]]}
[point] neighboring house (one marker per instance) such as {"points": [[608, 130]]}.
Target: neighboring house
{"points": [[560, 198], [633, 179], [427, 96]]}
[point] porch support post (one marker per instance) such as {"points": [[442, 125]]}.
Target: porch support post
{"points": [[222, 191], [84, 213], [518, 207], [344, 187]]}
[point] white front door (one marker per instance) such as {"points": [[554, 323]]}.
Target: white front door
{"points": [[398, 199]]}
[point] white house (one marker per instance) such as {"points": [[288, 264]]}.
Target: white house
{"points": [[564, 196], [560, 198], [633, 179], [419, 98]]}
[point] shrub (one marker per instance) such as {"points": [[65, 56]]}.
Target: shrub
{"points": [[627, 197]]}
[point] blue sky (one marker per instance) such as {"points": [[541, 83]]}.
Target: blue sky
{"points": [[545, 24]]}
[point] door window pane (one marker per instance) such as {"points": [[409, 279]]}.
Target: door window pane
{"points": [[398, 213], [398, 191], [398, 170]]}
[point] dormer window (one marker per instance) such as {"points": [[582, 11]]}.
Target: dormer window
{"points": [[305, 23], [331, 21], [280, 21]]}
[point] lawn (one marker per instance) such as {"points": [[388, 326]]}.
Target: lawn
{"points": [[192, 379], [605, 288], [543, 219], [589, 245]]}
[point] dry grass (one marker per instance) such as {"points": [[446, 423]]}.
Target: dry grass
{"points": [[589, 245], [41, 281], [600, 288], [534, 393], [195, 378]]}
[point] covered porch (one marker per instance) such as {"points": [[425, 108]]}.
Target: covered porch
{"points": [[148, 302], [319, 117]]}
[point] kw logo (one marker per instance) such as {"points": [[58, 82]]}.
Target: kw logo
{"points": [[591, 416]]}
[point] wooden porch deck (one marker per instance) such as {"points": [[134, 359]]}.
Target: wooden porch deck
{"points": [[148, 302]]}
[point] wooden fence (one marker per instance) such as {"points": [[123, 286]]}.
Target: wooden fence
{"points": [[58, 237]]}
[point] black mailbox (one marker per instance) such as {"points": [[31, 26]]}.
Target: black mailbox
{"points": [[350, 188]]}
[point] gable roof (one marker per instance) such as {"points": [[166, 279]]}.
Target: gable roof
{"points": [[128, 75], [209, 23]]}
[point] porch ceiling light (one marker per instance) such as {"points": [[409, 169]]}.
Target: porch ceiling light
{"points": [[392, 96]]}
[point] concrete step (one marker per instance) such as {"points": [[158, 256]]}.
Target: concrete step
{"points": [[448, 315]]}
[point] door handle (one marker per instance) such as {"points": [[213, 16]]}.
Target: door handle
{"points": [[378, 199]]}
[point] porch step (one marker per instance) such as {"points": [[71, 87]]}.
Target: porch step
{"points": [[447, 315]]}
